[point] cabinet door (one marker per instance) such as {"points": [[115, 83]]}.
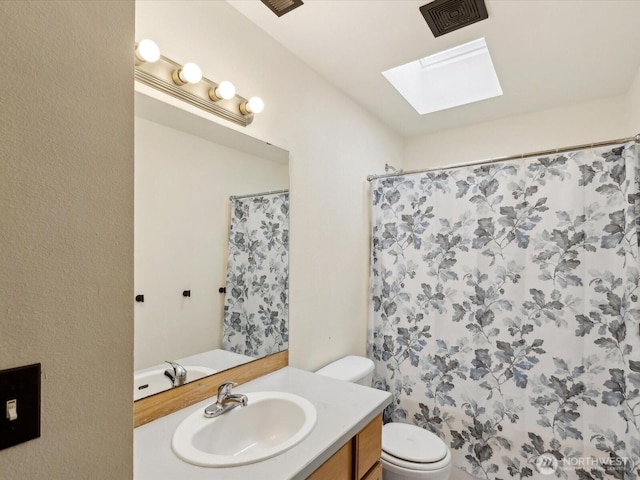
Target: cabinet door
{"points": [[375, 473], [338, 467], [368, 447]]}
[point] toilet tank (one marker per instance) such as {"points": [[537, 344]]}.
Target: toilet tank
{"points": [[351, 368]]}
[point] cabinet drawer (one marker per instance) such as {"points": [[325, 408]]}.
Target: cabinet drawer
{"points": [[375, 473], [368, 447], [338, 467]]}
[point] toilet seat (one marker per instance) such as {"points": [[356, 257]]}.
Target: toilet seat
{"points": [[414, 466], [414, 448]]}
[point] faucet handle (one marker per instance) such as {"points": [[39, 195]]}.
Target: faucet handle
{"points": [[177, 368], [179, 374], [225, 389]]}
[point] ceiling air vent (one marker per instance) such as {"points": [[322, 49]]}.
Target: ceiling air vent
{"points": [[444, 16], [280, 7]]}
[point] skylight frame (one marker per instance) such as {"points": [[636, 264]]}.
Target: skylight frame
{"points": [[451, 78]]}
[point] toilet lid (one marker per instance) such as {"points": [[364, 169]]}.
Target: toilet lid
{"points": [[412, 443]]}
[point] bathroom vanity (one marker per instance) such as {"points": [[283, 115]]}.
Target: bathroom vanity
{"points": [[358, 459], [345, 443]]}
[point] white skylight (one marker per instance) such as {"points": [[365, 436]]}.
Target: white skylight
{"points": [[447, 79]]}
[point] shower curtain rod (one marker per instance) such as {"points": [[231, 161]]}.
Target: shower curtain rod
{"points": [[511, 157], [272, 192]]}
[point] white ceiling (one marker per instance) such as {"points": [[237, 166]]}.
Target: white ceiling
{"points": [[546, 53]]}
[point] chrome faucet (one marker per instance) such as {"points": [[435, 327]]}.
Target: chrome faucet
{"points": [[226, 401], [177, 374]]}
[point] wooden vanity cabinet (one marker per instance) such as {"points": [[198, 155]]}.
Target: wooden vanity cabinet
{"points": [[338, 467], [358, 459], [375, 473]]}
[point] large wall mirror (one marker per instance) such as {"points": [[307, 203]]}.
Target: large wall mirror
{"points": [[211, 212]]}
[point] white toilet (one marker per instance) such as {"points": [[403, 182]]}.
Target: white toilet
{"points": [[408, 452]]}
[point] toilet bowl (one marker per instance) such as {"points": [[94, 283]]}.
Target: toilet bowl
{"points": [[411, 452], [408, 451]]}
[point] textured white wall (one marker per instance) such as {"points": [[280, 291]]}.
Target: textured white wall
{"points": [[182, 190], [600, 120], [66, 231], [333, 143], [633, 99]]}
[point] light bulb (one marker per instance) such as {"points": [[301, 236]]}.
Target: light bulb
{"points": [[189, 73], [225, 90], [147, 51], [254, 105]]}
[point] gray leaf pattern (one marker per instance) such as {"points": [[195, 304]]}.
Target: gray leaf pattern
{"points": [[504, 311], [256, 307]]}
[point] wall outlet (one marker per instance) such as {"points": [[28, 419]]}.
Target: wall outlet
{"points": [[19, 405]]}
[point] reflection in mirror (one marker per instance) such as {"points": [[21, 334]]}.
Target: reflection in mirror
{"points": [[206, 218], [256, 321]]}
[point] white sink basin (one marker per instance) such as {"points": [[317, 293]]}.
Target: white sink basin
{"points": [[271, 423], [150, 382]]}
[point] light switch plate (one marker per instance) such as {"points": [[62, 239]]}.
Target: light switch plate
{"points": [[22, 386]]}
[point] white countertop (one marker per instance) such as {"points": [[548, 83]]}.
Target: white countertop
{"points": [[343, 410]]}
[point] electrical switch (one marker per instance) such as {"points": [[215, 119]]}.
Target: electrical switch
{"points": [[12, 410], [20, 397]]}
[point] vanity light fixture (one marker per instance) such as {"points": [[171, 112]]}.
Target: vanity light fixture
{"points": [[147, 51], [187, 83], [189, 73], [224, 91]]}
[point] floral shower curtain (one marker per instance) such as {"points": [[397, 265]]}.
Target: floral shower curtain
{"points": [[504, 312], [256, 308]]}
